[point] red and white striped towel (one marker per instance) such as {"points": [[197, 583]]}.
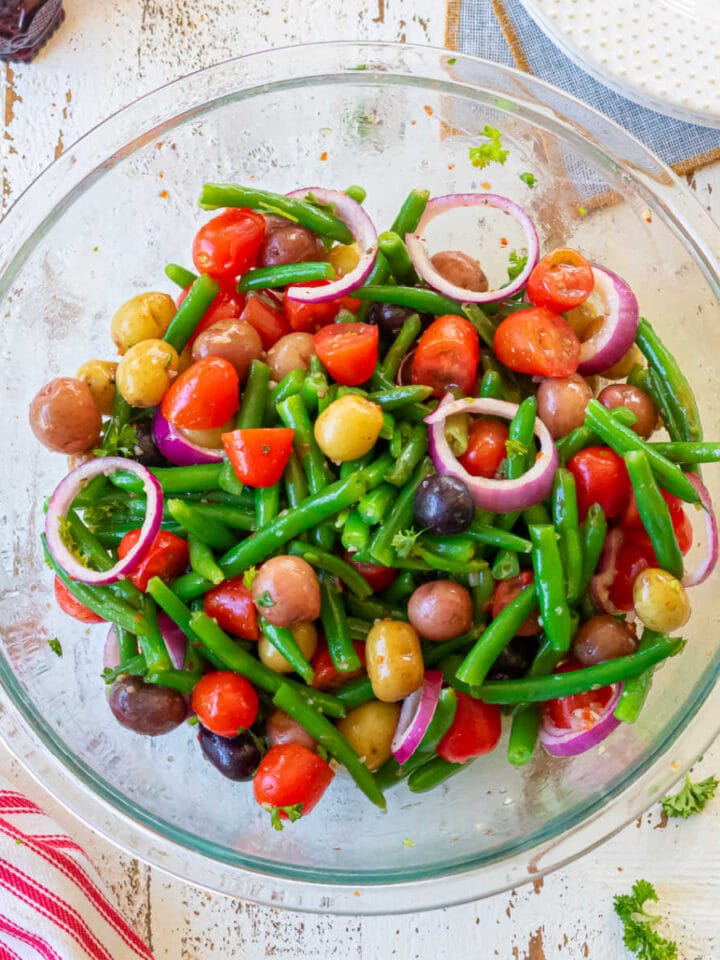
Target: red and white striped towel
{"points": [[53, 905]]}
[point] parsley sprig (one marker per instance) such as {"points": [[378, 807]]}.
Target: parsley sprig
{"points": [[639, 935], [691, 798], [489, 152]]}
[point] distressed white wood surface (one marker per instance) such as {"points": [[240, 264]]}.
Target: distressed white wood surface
{"points": [[107, 54]]}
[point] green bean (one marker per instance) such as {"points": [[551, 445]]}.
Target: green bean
{"points": [[482, 323], [294, 414], [113, 430], [191, 311], [565, 515], [94, 492], [211, 532], [179, 275], [654, 513], [331, 739], [482, 590], [491, 386], [413, 298], [660, 392], [309, 214], [398, 397], [400, 517], [374, 472], [126, 644], [523, 735], [290, 384], [252, 407], [636, 690], [374, 505], [202, 561], [406, 337], [511, 389], [234, 517], [283, 639], [355, 534], [495, 537], [583, 436], [506, 565], [356, 193], [152, 643], [496, 637], [538, 689], [181, 680], [349, 467], [358, 628], [355, 692], [335, 626], [315, 386], [457, 547], [197, 479], [519, 445], [228, 479], [552, 601], [334, 565], [266, 278], [136, 667], [267, 504], [622, 439], [401, 588], [410, 212], [431, 774], [412, 453], [376, 609], [682, 452], [593, 534], [438, 651], [89, 546], [398, 260], [680, 394], [110, 536]]}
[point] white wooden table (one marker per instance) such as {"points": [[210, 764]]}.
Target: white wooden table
{"points": [[107, 54]]}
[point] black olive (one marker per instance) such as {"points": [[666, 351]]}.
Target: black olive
{"points": [[390, 317], [145, 451], [515, 659], [145, 707], [443, 504], [237, 758]]}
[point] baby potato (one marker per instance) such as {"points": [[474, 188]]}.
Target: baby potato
{"points": [[99, 375], [394, 660], [307, 639], [145, 372], [348, 428], [143, 317], [660, 600], [369, 730]]}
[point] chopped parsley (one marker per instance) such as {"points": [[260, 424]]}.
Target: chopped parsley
{"points": [[489, 152], [55, 646], [404, 542], [311, 198], [451, 61], [529, 178], [249, 577], [514, 448], [293, 813], [517, 264], [691, 798], [408, 842], [639, 935], [119, 441], [265, 599]]}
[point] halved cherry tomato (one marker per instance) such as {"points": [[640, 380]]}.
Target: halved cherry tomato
{"points": [[326, 676], [72, 607], [632, 558], [269, 320], [204, 396], [505, 592], [225, 702], [538, 342], [561, 280], [259, 456], [310, 317], [600, 477], [579, 711], [231, 604], [475, 730], [486, 447], [633, 525], [167, 557], [227, 305], [377, 576], [349, 351], [291, 776], [447, 356], [229, 244]]}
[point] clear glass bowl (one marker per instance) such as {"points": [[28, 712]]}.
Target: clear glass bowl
{"points": [[100, 224]]}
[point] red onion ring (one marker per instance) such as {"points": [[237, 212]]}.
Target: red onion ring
{"points": [[706, 567], [560, 742], [177, 448], [423, 265], [603, 579], [500, 496], [365, 234], [417, 711], [62, 499], [617, 334], [174, 638]]}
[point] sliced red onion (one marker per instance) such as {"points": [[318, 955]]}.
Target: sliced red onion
{"points": [[111, 651], [707, 565], [417, 711], [500, 496], [617, 334], [403, 377], [177, 448], [561, 742], [365, 234], [423, 264], [174, 638], [62, 500], [606, 572]]}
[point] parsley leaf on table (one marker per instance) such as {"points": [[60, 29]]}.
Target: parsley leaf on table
{"points": [[489, 152], [528, 178], [639, 935], [691, 798], [517, 264]]}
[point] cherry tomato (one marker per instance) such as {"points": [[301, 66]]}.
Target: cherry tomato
{"points": [[326, 676], [579, 711], [538, 342], [259, 456], [632, 558], [229, 244], [505, 592], [291, 775], [231, 604], [486, 447], [561, 280], [600, 477], [447, 356], [204, 396], [227, 305], [310, 317], [349, 351], [167, 557], [267, 318], [475, 730], [72, 607], [377, 576], [633, 525], [225, 703]]}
